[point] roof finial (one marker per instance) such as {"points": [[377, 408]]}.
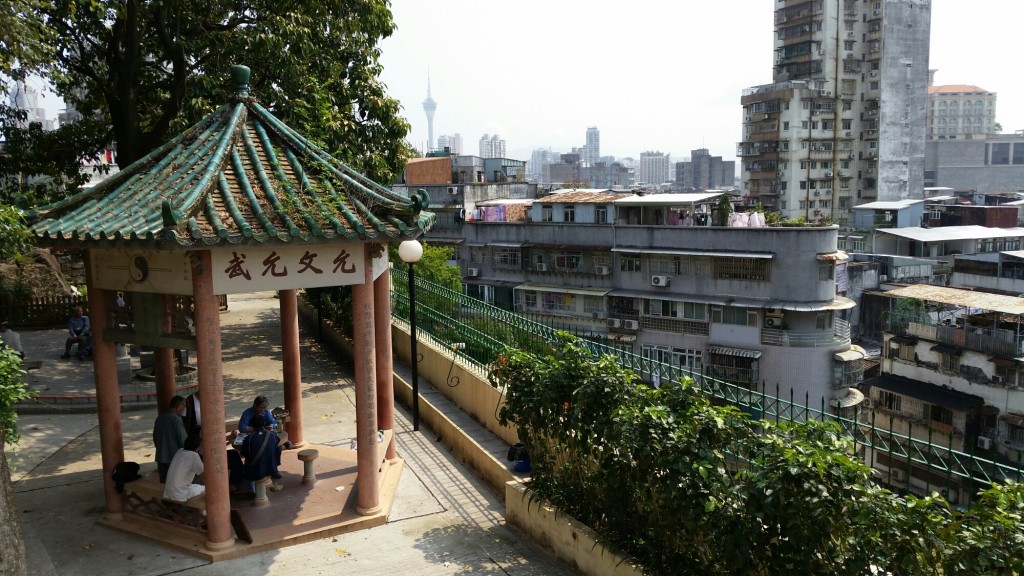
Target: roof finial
{"points": [[240, 78]]}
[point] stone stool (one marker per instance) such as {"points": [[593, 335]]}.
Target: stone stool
{"points": [[307, 457], [261, 491]]}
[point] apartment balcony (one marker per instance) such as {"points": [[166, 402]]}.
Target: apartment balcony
{"points": [[838, 336], [996, 341], [674, 325]]}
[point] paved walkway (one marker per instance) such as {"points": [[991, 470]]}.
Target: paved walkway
{"points": [[444, 520]]}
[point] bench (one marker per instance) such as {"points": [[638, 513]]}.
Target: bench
{"points": [[145, 497]]}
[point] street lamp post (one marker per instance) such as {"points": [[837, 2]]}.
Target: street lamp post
{"points": [[410, 252]]}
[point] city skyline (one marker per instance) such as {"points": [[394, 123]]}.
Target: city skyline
{"points": [[695, 105]]}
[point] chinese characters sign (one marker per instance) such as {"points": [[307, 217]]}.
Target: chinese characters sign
{"points": [[257, 268]]}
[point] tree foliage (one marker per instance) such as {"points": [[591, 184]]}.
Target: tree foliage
{"points": [[143, 71], [691, 488]]}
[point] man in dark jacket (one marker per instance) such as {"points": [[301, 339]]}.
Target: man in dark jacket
{"points": [[169, 435], [260, 452]]}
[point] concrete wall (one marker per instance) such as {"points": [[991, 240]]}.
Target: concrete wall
{"points": [[569, 540], [906, 31]]}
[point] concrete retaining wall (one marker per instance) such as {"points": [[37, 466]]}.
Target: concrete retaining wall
{"points": [[569, 540]]}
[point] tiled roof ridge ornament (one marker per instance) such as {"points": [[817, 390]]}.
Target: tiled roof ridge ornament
{"points": [[240, 78]]}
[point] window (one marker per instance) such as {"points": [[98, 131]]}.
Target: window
{"points": [[1000, 153], [665, 265], [669, 308], [601, 214], [847, 124], [545, 214], [592, 305], [858, 244], [530, 300], [537, 259], [568, 261], [874, 85], [826, 271], [602, 260], [938, 414], [507, 257], [823, 320], [478, 254], [729, 268], [629, 263], [569, 213], [889, 400], [695, 266], [695, 311], [841, 244], [785, 125], [734, 315], [949, 363], [558, 302]]}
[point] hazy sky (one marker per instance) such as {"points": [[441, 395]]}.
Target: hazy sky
{"points": [[650, 74]]}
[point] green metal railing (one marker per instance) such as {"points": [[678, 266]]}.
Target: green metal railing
{"points": [[451, 319]]}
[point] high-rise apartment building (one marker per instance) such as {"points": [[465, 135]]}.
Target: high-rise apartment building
{"points": [[593, 145], [492, 146], [653, 168], [844, 121], [451, 141], [960, 112], [704, 171]]}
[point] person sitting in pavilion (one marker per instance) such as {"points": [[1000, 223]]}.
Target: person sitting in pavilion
{"points": [[261, 406], [260, 452]]}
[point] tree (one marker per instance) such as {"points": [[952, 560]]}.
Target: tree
{"points": [[433, 266], [13, 560], [724, 210], [997, 128], [143, 71]]}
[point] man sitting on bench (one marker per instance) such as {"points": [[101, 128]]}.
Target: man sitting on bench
{"points": [[78, 333], [184, 467]]}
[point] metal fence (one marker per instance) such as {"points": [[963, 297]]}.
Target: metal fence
{"points": [[478, 333], [25, 313]]}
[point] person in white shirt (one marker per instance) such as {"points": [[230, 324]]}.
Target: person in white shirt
{"points": [[11, 339], [185, 465]]}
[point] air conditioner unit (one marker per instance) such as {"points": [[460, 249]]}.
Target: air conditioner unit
{"points": [[874, 73], [780, 173], [883, 277], [453, 190], [541, 267], [849, 34], [824, 93], [777, 312], [849, 55], [828, 174], [817, 192], [472, 272], [772, 322], [844, 175], [984, 443], [849, 134], [614, 323], [997, 379], [602, 270], [898, 475], [631, 324], [660, 280]]}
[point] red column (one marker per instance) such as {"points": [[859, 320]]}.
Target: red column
{"points": [[163, 364], [385, 370], [211, 391], [367, 484], [108, 394], [292, 364]]}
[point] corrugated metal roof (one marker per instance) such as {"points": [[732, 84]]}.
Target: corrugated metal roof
{"points": [[727, 351], [681, 199], [238, 176], [580, 197], [930, 393], [887, 205], [566, 289], [686, 252], [947, 233], [964, 298]]}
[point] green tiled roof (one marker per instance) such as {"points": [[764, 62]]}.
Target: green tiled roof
{"points": [[238, 176]]}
